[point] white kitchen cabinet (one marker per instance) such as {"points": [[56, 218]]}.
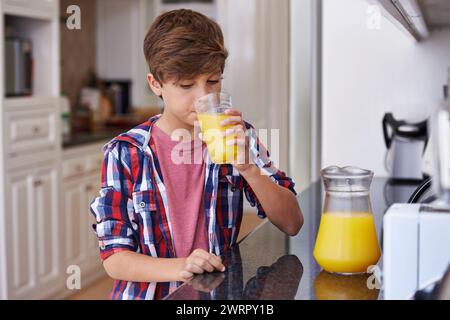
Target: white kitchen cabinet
{"points": [[31, 126], [81, 244], [31, 130], [74, 250], [80, 185], [33, 233]]}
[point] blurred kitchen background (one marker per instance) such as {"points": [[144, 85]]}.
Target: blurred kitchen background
{"points": [[323, 72]]}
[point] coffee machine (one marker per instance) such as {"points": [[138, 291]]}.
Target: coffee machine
{"points": [[406, 144], [417, 235]]}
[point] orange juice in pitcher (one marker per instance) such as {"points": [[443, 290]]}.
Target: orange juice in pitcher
{"points": [[347, 241]]}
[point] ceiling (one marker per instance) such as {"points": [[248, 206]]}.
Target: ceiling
{"points": [[436, 12]]}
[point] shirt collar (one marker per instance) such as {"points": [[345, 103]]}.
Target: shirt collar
{"points": [[139, 136]]}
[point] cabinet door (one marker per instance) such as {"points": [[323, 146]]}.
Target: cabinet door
{"points": [[45, 207], [81, 243], [74, 225], [32, 235], [30, 131], [20, 236]]}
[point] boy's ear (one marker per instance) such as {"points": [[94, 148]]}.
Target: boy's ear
{"points": [[154, 85]]}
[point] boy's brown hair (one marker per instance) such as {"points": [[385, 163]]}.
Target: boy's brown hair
{"points": [[183, 44]]}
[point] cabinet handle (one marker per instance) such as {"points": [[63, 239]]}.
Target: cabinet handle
{"points": [[36, 130], [79, 168], [37, 183], [89, 188]]}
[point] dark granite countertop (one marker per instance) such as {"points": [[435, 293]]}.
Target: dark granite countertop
{"points": [[267, 264], [82, 138]]}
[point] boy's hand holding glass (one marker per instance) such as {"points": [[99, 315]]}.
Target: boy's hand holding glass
{"points": [[223, 130], [239, 138], [198, 262]]}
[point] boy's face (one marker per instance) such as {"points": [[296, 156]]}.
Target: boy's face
{"points": [[179, 97]]}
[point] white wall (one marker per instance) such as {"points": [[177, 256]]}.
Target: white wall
{"points": [[369, 72], [257, 71]]}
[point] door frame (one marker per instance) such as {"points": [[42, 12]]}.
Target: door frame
{"points": [[305, 156]]}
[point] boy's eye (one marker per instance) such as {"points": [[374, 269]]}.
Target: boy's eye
{"points": [[213, 82], [186, 86]]}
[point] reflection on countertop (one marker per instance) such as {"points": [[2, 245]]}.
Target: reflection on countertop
{"points": [[329, 286]]}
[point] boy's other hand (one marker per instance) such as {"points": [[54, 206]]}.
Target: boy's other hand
{"points": [[198, 262]]}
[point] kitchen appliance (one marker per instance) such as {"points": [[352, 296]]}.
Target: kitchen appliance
{"points": [[396, 191], [417, 235], [18, 67], [439, 290], [406, 144]]}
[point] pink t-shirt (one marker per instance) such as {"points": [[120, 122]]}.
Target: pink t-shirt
{"points": [[184, 184]]}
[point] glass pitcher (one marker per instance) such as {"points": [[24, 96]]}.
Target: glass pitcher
{"points": [[347, 241]]}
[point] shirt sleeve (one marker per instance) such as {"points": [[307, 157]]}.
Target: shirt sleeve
{"points": [[261, 158], [112, 207]]}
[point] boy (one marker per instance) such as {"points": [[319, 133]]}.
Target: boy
{"points": [[159, 223]]}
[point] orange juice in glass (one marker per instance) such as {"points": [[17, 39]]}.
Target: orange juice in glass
{"points": [[210, 113], [347, 241]]}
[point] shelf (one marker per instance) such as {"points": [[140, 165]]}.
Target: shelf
{"points": [[43, 36], [15, 103]]}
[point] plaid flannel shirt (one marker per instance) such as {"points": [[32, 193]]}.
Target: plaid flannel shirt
{"points": [[132, 211]]}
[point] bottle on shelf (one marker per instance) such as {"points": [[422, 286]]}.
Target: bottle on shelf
{"points": [[65, 118]]}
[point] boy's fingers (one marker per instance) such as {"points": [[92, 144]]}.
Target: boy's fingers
{"points": [[193, 268], [233, 111], [186, 275], [204, 264], [234, 130], [214, 260], [232, 119], [238, 142]]}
